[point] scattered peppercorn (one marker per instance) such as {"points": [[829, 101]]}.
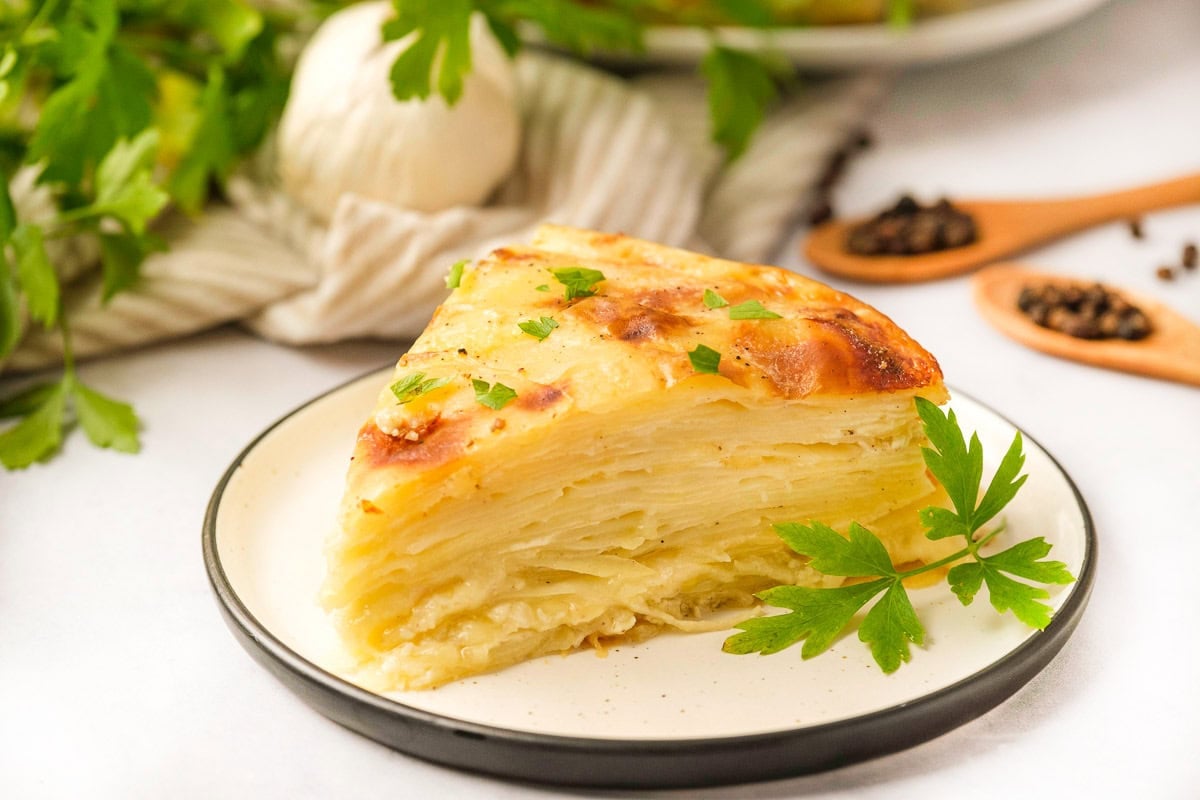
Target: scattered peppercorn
{"points": [[1094, 312], [908, 228], [1190, 256], [1135, 228], [1165, 274]]}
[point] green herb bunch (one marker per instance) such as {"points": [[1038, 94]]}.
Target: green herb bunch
{"points": [[818, 616], [120, 107]]}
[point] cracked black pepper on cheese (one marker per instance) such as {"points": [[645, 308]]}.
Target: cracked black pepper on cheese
{"points": [[589, 444]]}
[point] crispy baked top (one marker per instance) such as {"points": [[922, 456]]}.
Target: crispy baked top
{"points": [[628, 339]]}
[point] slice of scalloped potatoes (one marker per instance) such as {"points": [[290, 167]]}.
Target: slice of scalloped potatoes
{"points": [[620, 493]]}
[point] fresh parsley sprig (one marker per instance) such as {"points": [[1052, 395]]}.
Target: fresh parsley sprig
{"points": [[538, 328], [714, 300], [495, 396], [454, 276], [138, 103], [45, 411], [818, 616], [751, 309], [705, 360], [578, 281], [410, 387]]}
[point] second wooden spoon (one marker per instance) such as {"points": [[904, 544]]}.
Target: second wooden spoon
{"points": [[1170, 352], [1004, 228]]}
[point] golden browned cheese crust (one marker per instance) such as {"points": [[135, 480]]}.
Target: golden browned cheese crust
{"points": [[633, 335]]}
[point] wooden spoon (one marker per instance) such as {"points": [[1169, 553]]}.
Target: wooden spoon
{"points": [[1170, 352], [1004, 228]]}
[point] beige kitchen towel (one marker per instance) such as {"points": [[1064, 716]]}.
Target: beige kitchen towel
{"points": [[597, 152]]}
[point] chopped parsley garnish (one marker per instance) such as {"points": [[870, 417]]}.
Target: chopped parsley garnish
{"points": [[411, 387], [705, 359], [818, 616], [538, 328], [751, 309], [580, 281], [495, 396], [714, 300], [545, 287], [454, 276]]}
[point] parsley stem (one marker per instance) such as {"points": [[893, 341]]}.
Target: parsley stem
{"points": [[68, 352], [971, 549], [78, 214], [48, 8]]}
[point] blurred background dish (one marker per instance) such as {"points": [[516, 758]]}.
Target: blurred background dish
{"points": [[845, 35]]}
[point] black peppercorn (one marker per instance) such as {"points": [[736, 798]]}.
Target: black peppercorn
{"points": [[908, 228], [1190, 256], [1092, 312]]}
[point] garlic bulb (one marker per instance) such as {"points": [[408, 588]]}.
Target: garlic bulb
{"points": [[343, 130]]}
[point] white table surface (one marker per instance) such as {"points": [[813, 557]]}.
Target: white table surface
{"points": [[119, 680]]}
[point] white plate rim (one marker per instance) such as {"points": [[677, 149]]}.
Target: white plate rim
{"points": [[641, 763], [969, 32]]}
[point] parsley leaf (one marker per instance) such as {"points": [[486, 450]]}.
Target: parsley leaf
{"points": [[121, 257], [580, 281], [891, 625], [10, 303], [1022, 560], [124, 186], [751, 309], [714, 300], [495, 397], [8, 215], [36, 275], [39, 434], [857, 556], [705, 360], [210, 151], [542, 287], [538, 328], [751, 13], [411, 387], [959, 468], [123, 162], [740, 89], [454, 276], [107, 422], [582, 27], [232, 23], [818, 617], [27, 401], [441, 44], [10, 308], [109, 97], [900, 13]]}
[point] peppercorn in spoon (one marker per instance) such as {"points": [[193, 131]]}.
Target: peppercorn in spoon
{"points": [[910, 243], [1089, 322]]}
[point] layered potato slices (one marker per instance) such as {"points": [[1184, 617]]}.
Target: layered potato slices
{"points": [[521, 491]]}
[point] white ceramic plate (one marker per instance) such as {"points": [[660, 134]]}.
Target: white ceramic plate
{"points": [[976, 30], [674, 710]]}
